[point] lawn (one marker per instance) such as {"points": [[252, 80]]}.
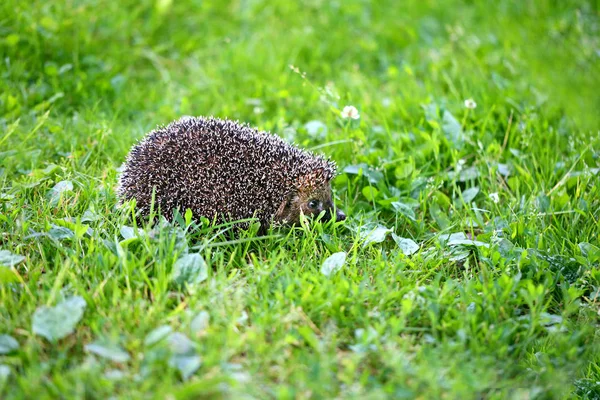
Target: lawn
{"points": [[468, 267]]}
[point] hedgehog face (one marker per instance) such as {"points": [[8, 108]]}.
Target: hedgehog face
{"points": [[310, 202]]}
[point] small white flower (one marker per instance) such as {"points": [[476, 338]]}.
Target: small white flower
{"points": [[350, 112], [494, 197], [258, 110], [470, 104]]}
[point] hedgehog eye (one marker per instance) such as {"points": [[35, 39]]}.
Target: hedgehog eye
{"points": [[313, 204]]}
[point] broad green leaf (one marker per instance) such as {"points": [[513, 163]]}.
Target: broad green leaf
{"points": [[439, 216], [441, 199], [506, 248], [407, 246], [9, 259], [8, 344], [460, 239], [370, 193], [127, 232], [186, 364], [453, 130], [333, 263], [459, 254], [468, 174], [376, 235], [316, 128], [110, 351], [470, 194], [372, 175], [158, 334], [431, 111], [467, 242], [404, 209], [57, 322], [184, 357], [405, 169], [590, 251], [4, 374], [355, 169], [190, 269], [60, 233], [41, 173], [180, 343], [58, 190], [542, 202], [503, 169], [200, 322], [115, 375]]}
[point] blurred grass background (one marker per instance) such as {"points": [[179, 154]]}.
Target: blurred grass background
{"points": [[210, 57]]}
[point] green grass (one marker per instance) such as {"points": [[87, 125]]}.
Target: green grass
{"points": [[510, 311]]}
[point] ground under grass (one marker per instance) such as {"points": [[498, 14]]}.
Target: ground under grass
{"points": [[469, 266]]}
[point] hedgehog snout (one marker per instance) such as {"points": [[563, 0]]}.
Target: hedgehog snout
{"points": [[339, 215]]}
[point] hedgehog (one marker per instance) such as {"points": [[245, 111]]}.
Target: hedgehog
{"points": [[227, 171]]}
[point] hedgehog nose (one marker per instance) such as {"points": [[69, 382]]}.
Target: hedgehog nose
{"points": [[339, 215]]}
